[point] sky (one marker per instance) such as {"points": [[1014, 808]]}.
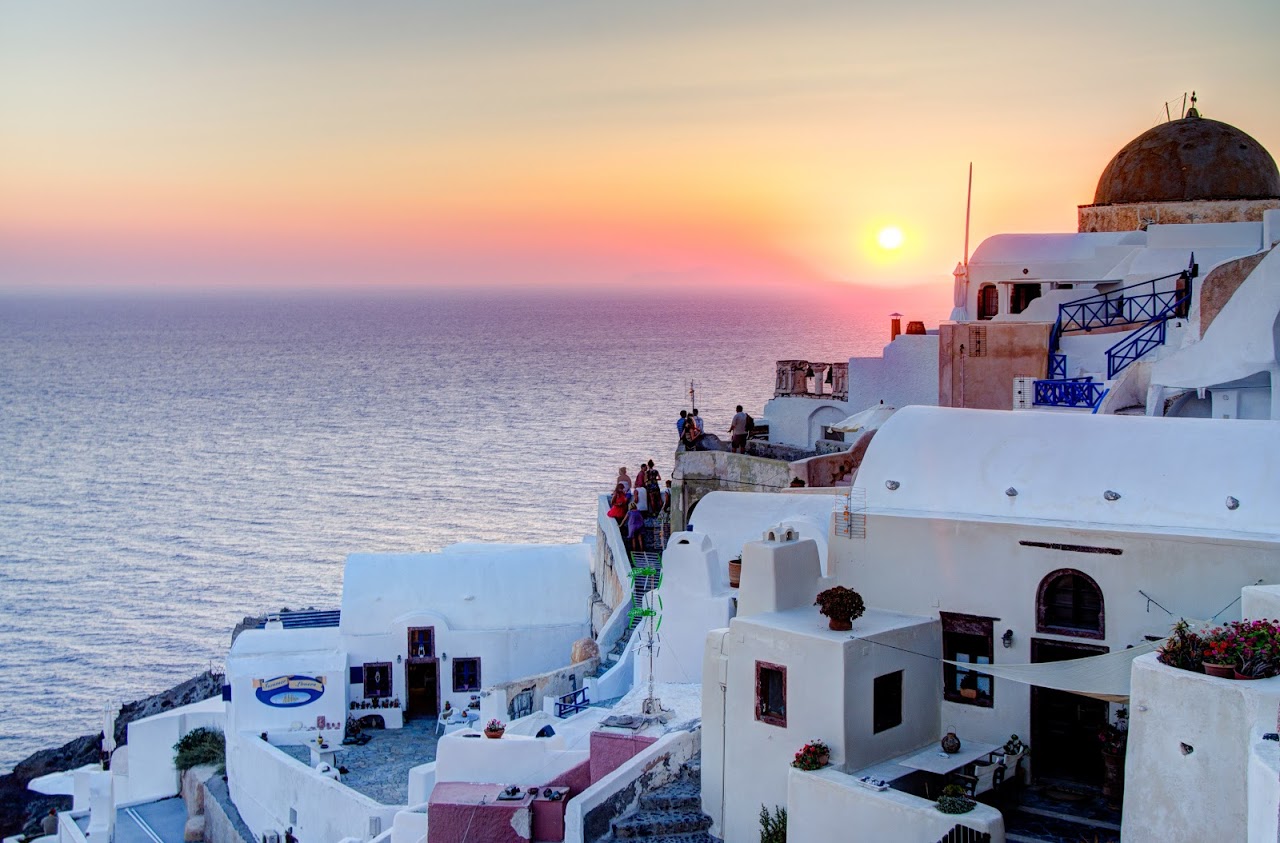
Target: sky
{"points": [[239, 144]]}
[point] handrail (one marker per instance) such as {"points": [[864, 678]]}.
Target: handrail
{"points": [[1116, 308], [1073, 392], [1141, 341]]}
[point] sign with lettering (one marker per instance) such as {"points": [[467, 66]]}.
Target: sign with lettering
{"points": [[289, 691]]}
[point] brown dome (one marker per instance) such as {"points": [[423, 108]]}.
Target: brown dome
{"points": [[1188, 159]]}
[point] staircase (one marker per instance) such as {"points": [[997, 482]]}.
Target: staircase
{"points": [[670, 814], [641, 585], [1141, 305]]}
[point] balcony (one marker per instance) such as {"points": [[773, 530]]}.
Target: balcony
{"points": [[803, 379]]}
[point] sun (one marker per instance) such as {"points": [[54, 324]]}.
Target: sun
{"points": [[889, 237]]}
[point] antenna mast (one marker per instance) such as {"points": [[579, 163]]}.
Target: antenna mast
{"points": [[692, 396], [968, 203]]}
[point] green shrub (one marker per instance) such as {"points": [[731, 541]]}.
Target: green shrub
{"points": [[200, 746], [773, 829]]}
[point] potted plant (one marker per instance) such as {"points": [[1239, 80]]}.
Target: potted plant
{"points": [[812, 756], [842, 606], [954, 801], [1221, 652], [735, 571], [494, 728], [1259, 649], [1183, 649]]}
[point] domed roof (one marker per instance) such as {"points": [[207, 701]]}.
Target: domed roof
{"points": [[1187, 159]]}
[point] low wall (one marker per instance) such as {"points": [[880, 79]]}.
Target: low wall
{"points": [[1194, 734], [222, 822], [552, 684], [825, 804], [266, 784], [152, 774], [589, 814], [698, 473]]}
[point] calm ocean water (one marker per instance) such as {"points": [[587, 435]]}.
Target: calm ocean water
{"points": [[170, 465]]}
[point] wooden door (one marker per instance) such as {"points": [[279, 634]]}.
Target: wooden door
{"points": [[1065, 726], [423, 686]]}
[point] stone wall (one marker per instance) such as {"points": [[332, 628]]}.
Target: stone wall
{"points": [[1221, 284], [697, 473], [553, 683], [1135, 216]]}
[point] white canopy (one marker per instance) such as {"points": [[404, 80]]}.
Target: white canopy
{"points": [[1104, 677], [869, 419], [59, 784]]}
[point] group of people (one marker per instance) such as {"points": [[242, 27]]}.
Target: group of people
{"points": [[690, 431], [638, 498]]}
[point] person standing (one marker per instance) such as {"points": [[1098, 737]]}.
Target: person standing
{"points": [[697, 421], [680, 423], [624, 479], [635, 529], [642, 499], [738, 432]]}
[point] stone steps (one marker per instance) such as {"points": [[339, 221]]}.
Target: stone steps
{"points": [[670, 814]]}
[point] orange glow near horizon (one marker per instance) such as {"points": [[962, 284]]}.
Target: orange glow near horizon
{"points": [[324, 145]]}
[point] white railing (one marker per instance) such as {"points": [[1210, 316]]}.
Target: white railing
{"points": [[615, 557]]}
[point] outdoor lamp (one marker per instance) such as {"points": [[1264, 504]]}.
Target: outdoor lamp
{"points": [[1007, 638]]}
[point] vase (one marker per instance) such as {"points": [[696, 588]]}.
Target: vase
{"points": [[735, 573], [1113, 777], [493, 733], [840, 624], [950, 743], [1242, 676], [824, 759], [1222, 671]]}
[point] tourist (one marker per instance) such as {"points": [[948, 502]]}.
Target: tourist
{"points": [[618, 504], [680, 423], [738, 432], [697, 421], [635, 529], [49, 825], [666, 499], [641, 499], [653, 470], [654, 494], [692, 435], [624, 480]]}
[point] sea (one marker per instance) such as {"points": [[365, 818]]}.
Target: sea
{"points": [[171, 464]]}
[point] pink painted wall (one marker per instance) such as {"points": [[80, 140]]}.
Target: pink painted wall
{"points": [[548, 820], [610, 750], [577, 779], [460, 812]]}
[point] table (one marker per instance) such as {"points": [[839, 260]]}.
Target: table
{"points": [[323, 756], [932, 759]]}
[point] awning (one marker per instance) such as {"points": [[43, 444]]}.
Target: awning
{"points": [[1104, 677], [869, 419]]}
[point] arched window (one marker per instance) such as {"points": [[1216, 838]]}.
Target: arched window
{"points": [[988, 301], [1069, 602]]}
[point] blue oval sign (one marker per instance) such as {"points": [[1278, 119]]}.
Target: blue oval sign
{"points": [[289, 691]]}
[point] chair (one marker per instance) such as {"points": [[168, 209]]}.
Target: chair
{"points": [[969, 783]]}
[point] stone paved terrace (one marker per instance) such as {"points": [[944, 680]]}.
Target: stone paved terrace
{"points": [[380, 768]]}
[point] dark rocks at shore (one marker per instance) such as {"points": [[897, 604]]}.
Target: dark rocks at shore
{"points": [[19, 807], [22, 809]]}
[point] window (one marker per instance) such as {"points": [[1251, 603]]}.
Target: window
{"points": [[422, 642], [771, 694], [1069, 602], [1022, 295], [988, 301], [887, 705], [466, 675], [967, 639], [377, 679]]}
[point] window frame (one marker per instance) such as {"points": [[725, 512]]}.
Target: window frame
{"points": [[763, 713], [457, 662], [972, 627], [1043, 592], [995, 295], [374, 693]]}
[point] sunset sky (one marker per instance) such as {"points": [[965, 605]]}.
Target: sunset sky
{"points": [[247, 144]]}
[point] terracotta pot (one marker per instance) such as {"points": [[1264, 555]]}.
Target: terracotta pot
{"points": [[493, 733], [824, 759], [735, 573], [1222, 671], [1242, 676], [840, 624]]}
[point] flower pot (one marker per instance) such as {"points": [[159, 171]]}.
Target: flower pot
{"points": [[493, 733], [824, 759], [735, 573], [1222, 671], [1242, 676], [840, 624]]}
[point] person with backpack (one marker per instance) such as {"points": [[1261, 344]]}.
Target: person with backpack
{"points": [[738, 432]]}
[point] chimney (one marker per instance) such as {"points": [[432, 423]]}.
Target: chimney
{"points": [[895, 326]]}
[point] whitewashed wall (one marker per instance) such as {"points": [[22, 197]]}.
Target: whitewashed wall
{"points": [[826, 805], [151, 771], [265, 784]]}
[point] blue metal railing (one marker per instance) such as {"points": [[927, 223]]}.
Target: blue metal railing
{"points": [[1058, 367], [1135, 345], [1069, 392], [572, 703], [1125, 306]]}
